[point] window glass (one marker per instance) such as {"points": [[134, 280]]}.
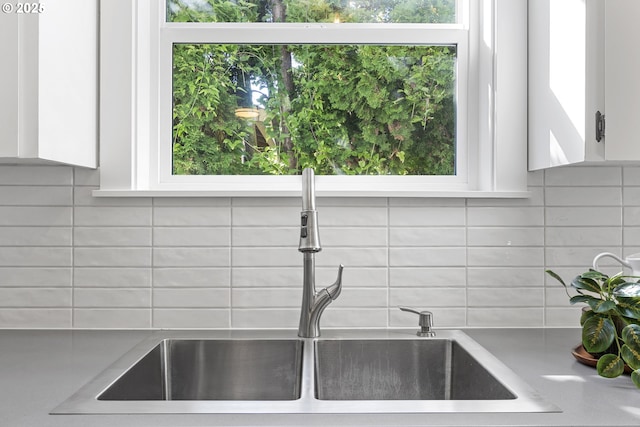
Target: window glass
{"points": [[354, 11], [341, 109]]}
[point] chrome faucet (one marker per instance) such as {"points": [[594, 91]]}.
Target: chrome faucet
{"points": [[313, 302]]}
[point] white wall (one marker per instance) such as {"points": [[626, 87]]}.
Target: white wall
{"points": [[68, 260]]}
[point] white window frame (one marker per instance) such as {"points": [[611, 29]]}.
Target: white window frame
{"points": [[135, 101]]}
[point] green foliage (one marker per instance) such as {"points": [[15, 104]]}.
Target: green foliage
{"points": [[611, 329], [348, 109]]}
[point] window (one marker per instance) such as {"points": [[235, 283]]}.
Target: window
{"points": [[396, 97]]}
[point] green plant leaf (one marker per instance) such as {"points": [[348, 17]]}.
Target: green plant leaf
{"points": [[631, 356], [555, 276], [610, 366], [598, 333], [629, 307], [584, 298], [635, 377], [627, 290], [593, 274], [631, 336], [601, 306], [586, 315], [587, 284]]}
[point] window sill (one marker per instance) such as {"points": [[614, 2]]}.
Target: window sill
{"points": [[319, 193]]}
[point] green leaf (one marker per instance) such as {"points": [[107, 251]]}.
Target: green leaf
{"points": [[631, 336], [586, 284], [635, 377], [555, 276], [584, 298], [598, 333], [601, 306], [610, 366], [627, 290], [586, 315], [629, 307], [595, 275], [631, 356]]}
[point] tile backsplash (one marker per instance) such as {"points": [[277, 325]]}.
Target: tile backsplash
{"points": [[68, 260]]}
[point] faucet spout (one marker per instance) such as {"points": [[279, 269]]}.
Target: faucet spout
{"points": [[313, 302]]}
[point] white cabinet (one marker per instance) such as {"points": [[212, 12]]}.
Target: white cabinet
{"points": [[48, 82], [583, 59]]}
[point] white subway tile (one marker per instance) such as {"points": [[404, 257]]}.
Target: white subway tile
{"points": [[583, 196], [355, 216], [190, 318], [267, 236], [267, 277], [516, 277], [36, 196], [350, 257], [112, 298], [584, 176], [436, 276], [192, 277], [187, 202], [190, 257], [574, 256], [428, 216], [35, 297], [35, 236], [507, 256], [112, 257], [583, 236], [631, 196], [433, 236], [427, 257], [39, 216], [266, 297], [91, 216], [27, 256], [35, 276], [112, 277], [583, 216], [266, 257], [505, 297], [191, 236], [506, 317], [631, 216], [191, 216], [265, 216], [112, 236], [564, 317], [418, 202], [505, 216], [111, 318], [352, 236], [505, 236], [423, 298], [36, 175], [191, 298], [351, 318], [35, 318], [287, 318]]}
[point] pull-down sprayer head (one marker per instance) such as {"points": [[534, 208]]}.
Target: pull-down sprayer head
{"points": [[309, 233]]}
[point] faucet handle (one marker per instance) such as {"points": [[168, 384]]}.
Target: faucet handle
{"points": [[425, 321]]}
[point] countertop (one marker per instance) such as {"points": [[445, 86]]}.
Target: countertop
{"points": [[39, 369]]}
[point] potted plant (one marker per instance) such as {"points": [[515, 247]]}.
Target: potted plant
{"points": [[611, 327]]}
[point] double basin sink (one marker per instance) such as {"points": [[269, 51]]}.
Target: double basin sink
{"points": [[245, 372]]}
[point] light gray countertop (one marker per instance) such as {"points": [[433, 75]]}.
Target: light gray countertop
{"points": [[40, 369]]}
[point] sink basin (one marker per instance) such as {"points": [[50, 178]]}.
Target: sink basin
{"points": [[200, 369], [435, 369], [262, 372]]}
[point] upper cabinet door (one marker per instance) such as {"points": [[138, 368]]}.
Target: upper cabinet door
{"points": [[622, 80], [48, 82], [566, 81]]}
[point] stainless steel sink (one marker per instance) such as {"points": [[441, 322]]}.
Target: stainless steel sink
{"points": [[419, 369], [196, 369], [372, 371]]}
